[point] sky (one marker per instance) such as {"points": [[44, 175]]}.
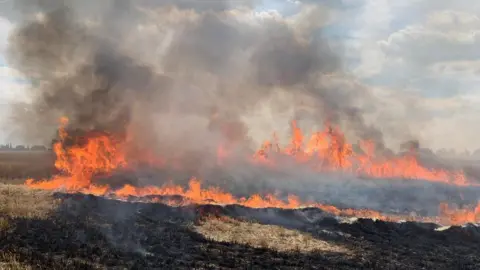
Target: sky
{"points": [[424, 54]]}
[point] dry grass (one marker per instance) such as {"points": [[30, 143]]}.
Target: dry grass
{"points": [[264, 236], [20, 201], [10, 261], [4, 224]]}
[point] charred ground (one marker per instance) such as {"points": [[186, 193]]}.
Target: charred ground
{"points": [[43, 230]]}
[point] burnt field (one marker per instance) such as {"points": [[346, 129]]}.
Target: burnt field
{"points": [[44, 230], [47, 230]]}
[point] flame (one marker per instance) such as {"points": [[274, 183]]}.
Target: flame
{"points": [[101, 154], [329, 151], [459, 216], [79, 164]]}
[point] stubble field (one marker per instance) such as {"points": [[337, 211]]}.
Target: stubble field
{"points": [[47, 230]]}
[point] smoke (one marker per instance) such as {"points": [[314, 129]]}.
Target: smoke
{"points": [[170, 72]]}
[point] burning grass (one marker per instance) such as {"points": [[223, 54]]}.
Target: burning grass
{"points": [[80, 160], [328, 150]]}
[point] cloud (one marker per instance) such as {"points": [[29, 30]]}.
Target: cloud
{"points": [[428, 52], [443, 36], [410, 54]]}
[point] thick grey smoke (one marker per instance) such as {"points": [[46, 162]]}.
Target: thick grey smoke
{"points": [[179, 76]]}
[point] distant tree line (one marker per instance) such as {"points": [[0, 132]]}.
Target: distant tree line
{"points": [[21, 147], [451, 153]]}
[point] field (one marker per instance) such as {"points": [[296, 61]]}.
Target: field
{"points": [[46, 230], [16, 166]]}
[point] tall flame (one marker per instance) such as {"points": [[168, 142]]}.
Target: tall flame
{"points": [[78, 164]]}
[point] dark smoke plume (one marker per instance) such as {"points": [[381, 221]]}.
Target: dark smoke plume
{"points": [[180, 75]]}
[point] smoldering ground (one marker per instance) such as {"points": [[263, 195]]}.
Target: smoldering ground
{"points": [[180, 78]]}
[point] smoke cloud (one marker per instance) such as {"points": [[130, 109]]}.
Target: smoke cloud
{"points": [[182, 78], [170, 72]]}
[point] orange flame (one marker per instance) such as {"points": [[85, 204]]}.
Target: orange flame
{"points": [[78, 164], [102, 155], [459, 216], [329, 151]]}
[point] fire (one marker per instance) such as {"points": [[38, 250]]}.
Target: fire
{"points": [[328, 151], [80, 163], [102, 154], [459, 216]]}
